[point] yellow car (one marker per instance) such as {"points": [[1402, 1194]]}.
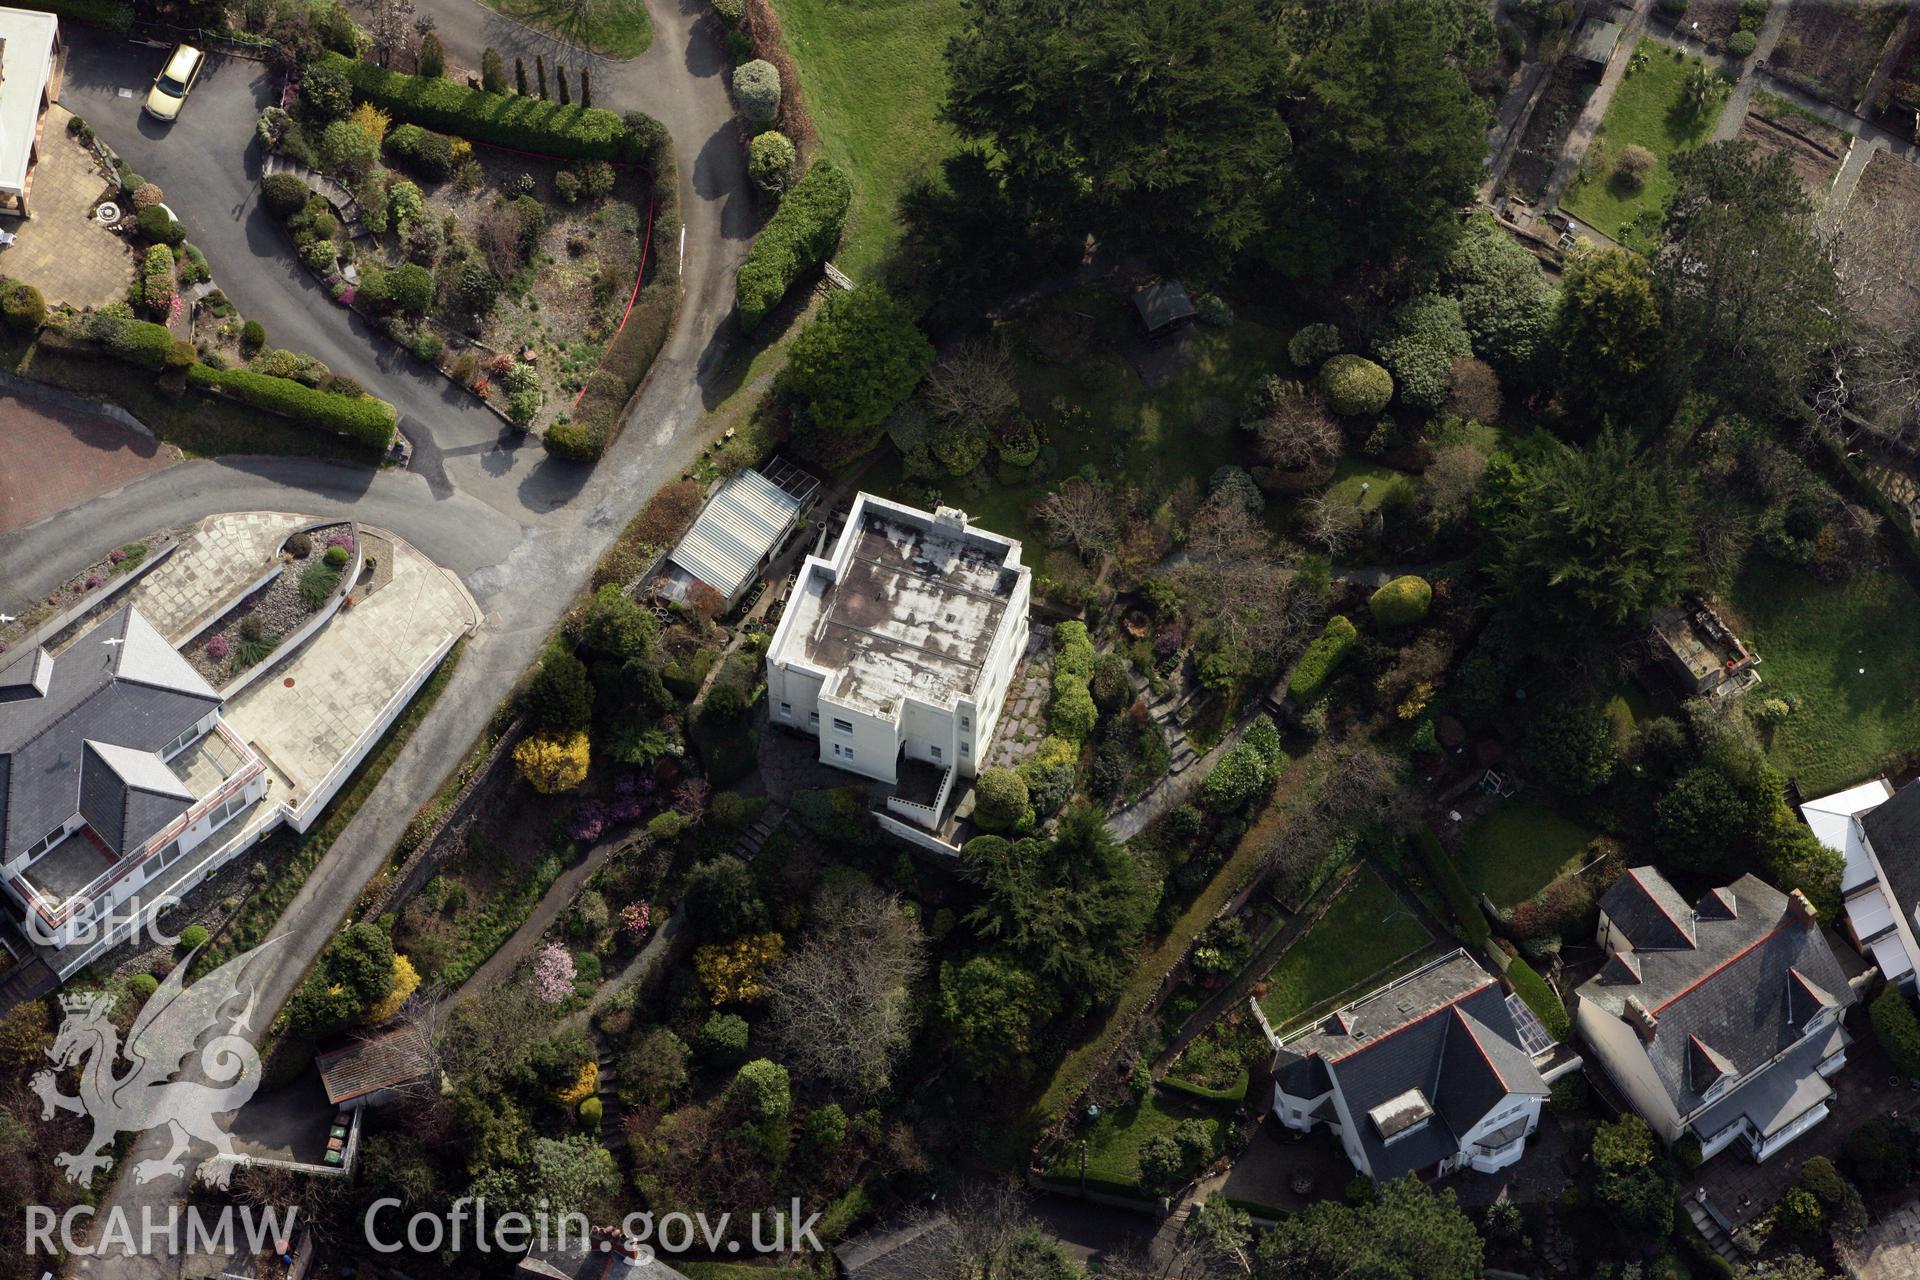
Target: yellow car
{"points": [[175, 82]]}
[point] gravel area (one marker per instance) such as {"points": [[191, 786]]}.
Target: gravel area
{"points": [[81, 585], [265, 617]]}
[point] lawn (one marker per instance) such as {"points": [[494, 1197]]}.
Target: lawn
{"points": [[874, 74], [1113, 1142], [1847, 652], [611, 28], [1381, 483], [1646, 110], [1365, 931], [1518, 848], [1094, 409]]}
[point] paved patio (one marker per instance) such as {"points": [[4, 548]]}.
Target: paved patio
{"points": [[225, 555], [1890, 1250], [1023, 721], [307, 715], [61, 250], [58, 457]]}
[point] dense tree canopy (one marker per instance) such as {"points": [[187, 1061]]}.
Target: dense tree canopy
{"points": [[1409, 1233], [1157, 120], [1589, 539], [855, 363], [1606, 336]]}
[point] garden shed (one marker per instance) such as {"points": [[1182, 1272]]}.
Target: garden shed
{"points": [[742, 526], [1163, 307], [1596, 42]]}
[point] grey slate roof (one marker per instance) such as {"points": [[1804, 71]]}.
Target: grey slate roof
{"points": [[1744, 989], [1893, 830], [136, 694], [1444, 1030], [1163, 304], [1775, 1099], [1644, 907], [127, 796]]}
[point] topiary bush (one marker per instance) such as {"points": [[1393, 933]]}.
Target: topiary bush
{"points": [[1741, 44], [1322, 658], [1071, 714], [1355, 386], [1401, 602], [1313, 345], [1000, 801], [194, 936], [756, 91], [771, 160], [143, 985], [156, 226], [799, 236], [21, 307]]}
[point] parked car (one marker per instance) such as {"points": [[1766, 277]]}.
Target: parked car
{"points": [[175, 82]]}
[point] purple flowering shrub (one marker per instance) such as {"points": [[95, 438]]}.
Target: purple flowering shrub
{"points": [[218, 648]]}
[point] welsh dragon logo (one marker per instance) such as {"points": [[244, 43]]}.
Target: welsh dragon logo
{"points": [[170, 1028]]}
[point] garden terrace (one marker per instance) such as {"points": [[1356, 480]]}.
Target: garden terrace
{"points": [[1830, 49]]}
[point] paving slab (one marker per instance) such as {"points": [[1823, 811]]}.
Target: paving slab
{"points": [[222, 557]]}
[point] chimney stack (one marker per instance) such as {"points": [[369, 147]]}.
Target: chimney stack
{"points": [[1641, 1018], [1801, 909]]}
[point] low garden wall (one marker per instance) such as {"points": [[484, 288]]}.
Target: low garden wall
{"points": [[439, 843]]}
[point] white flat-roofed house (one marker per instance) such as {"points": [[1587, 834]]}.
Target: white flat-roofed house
{"points": [[31, 62], [897, 650], [119, 784], [1878, 832]]}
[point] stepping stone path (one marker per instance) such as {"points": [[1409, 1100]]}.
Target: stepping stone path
{"points": [[756, 835], [1172, 711], [336, 195], [610, 1136]]}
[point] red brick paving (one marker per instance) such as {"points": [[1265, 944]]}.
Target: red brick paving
{"points": [[53, 458]]}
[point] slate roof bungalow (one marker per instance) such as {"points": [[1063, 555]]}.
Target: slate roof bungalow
{"points": [[1719, 1019], [1434, 1072]]}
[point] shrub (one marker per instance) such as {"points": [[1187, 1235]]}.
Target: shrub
{"points": [[477, 287], [1422, 340], [1313, 346], [1072, 649], [858, 359], [283, 194], [1874, 1159], [756, 91], [1071, 715], [1634, 164], [1539, 997], [553, 761], [1572, 744], [771, 159], [143, 985], [762, 1089], [253, 336], [325, 88], [156, 226], [367, 421], [21, 307], [422, 152], [181, 355], [335, 556], [1240, 775], [799, 236], [1401, 602], [493, 71], [134, 341], [523, 406], [1000, 801], [1897, 1030], [1741, 44], [1322, 658], [194, 936], [530, 124], [731, 12], [145, 196], [722, 1042], [408, 287], [1110, 685], [433, 57], [317, 584], [1355, 386]]}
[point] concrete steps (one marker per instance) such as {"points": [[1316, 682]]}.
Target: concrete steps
{"points": [[1708, 1225]]}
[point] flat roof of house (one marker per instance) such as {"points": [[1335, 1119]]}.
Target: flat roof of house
{"points": [[909, 607], [26, 62], [735, 532]]}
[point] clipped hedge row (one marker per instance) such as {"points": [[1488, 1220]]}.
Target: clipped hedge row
{"points": [[1322, 658], [1897, 1030], [369, 421], [799, 236], [138, 342], [1446, 877], [505, 120], [1533, 989]]}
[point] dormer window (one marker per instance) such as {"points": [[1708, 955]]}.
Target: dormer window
{"points": [[1401, 1115]]}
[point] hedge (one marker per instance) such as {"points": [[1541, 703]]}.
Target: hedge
{"points": [[1533, 989], [505, 120], [369, 421], [1452, 885], [1322, 658], [1897, 1030], [798, 237], [138, 342]]}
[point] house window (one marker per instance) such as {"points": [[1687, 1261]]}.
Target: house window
{"points": [[966, 748], [836, 751], [935, 751], [966, 722], [813, 720], [786, 709], [842, 726], [849, 753]]}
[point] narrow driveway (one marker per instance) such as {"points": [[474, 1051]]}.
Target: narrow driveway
{"points": [[522, 532]]}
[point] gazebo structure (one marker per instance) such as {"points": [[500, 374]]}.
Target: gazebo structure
{"points": [[1163, 307]]}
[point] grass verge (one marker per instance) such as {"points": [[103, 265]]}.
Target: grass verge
{"points": [[1518, 848], [611, 28]]}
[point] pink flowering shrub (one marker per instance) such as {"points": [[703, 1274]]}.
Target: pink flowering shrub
{"points": [[589, 820], [635, 919], [342, 540], [93, 582], [116, 556], [632, 794], [553, 973], [218, 648]]}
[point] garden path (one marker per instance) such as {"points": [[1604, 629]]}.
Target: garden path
{"points": [[644, 962], [1174, 789], [1734, 113]]}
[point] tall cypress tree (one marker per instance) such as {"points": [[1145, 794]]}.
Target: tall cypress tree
{"points": [[560, 72], [540, 74], [586, 88], [519, 75]]}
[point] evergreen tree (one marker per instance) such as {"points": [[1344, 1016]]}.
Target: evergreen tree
{"points": [[560, 74], [540, 74], [519, 75]]}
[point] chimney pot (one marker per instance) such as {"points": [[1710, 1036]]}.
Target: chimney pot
{"points": [[1801, 909], [1642, 1018]]}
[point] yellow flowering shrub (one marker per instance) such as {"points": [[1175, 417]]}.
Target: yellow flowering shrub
{"points": [[585, 1086], [733, 972], [406, 980], [552, 762]]}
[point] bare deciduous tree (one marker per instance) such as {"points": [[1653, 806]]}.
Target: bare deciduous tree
{"points": [[1453, 478], [1296, 432], [975, 384], [1082, 514], [840, 1006], [1331, 522]]}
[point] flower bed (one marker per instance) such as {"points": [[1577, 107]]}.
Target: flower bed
{"points": [[249, 633]]}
